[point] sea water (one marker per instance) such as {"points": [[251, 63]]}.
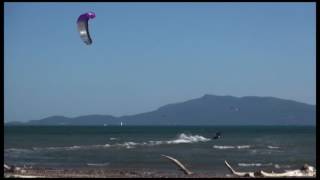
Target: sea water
{"points": [[246, 148]]}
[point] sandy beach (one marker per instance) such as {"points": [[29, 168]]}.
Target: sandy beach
{"points": [[106, 173]]}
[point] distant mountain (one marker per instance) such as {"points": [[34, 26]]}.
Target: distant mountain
{"points": [[82, 120], [207, 110]]}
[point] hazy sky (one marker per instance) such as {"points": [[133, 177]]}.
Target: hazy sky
{"points": [[145, 55]]}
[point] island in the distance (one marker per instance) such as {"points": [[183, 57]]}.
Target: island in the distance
{"points": [[206, 110]]}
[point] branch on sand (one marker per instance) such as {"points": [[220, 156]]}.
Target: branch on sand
{"points": [[179, 164]]}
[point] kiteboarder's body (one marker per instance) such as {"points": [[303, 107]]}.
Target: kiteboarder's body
{"points": [[217, 136]]}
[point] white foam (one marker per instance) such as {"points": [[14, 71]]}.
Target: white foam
{"points": [[223, 147], [254, 164], [273, 147], [59, 148], [73, 147], [249, 164], [183, 138], [243, 147], [127, 145], [98, 146], [232, 147], [68, 148]]}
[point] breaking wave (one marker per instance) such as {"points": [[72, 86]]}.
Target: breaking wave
{"points": [[127, 145], [232, 147], [223, 147], [181, 138]]}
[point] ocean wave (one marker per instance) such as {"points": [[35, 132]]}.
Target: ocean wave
{"points": [[17, 150], [127, 145], [98, 146], [154, 143], [57, 148], [181, 138], [253, 164], [232, 147], [223, 147], [69, 148], [98, 164], [273, 147], [243, 146], [266, 151]]}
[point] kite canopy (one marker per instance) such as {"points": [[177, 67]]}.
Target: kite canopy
{"points": [[83, 26]]}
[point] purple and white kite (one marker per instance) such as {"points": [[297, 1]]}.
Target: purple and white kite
{"points": [[83, 27]]}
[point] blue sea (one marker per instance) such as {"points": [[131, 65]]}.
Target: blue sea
{"points": [[246, 148]]}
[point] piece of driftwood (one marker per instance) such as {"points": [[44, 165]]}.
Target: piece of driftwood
{"points": [[179, 164], [305, 171], [6, 168], [12, 169]]}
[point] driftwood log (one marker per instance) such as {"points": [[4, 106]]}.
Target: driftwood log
{"points": [[179, 164], [7, 168], [305, 171]]}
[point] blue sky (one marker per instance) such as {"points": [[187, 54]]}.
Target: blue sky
{"points": [[145, 55]]}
